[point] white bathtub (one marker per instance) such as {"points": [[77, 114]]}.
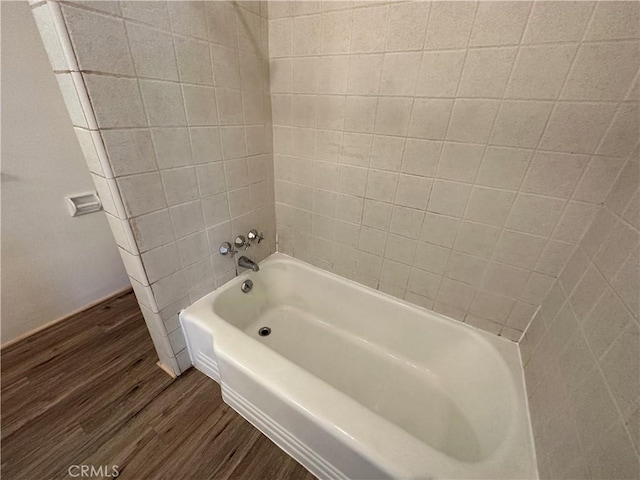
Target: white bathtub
{"points": [[355, 384]]}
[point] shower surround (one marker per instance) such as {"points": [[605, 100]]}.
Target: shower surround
{"points": [[458, 155], [170, 103], [449, 153]]}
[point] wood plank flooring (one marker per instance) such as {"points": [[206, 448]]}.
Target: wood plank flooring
{"points": [[87, 391]]}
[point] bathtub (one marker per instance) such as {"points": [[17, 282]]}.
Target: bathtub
{"points": [[354, 383]]}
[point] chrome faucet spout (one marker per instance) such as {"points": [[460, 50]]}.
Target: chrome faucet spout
{"points": [[245, 262]]}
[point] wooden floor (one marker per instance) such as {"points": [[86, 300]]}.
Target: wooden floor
{"points": [[87, 391]]}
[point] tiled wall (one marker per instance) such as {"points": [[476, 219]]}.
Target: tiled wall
{"points": [[176, 131], [582, 350], [449, 153]]}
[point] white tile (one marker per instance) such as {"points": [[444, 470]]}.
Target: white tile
{"points": [[72, 100], [554, 174], [152, 13], [466, 268], [187, 218], [226, 66], [506, 280], [450, 25], [172, 146], [129, 151], [306, 35], [519, 249], [194, 64], [163, 103], [234, 143], [280, 35], [557, 21], [193, 248], [537, 287], [152, 230], [400, 249], [407, 26], [540, 71], [152, 52], [372, 241], [161, 261], [133, 266], [455, 294], [575, 220], [576, 127], [490, 306], [459, 161], [477, 239], [88, 147], [621, 243], [336, 32], [281, 75], [449, 198], [420, 157], [331, 112], [503, 167], [490, 326], [424, 283], [230, 110], [353, 180], [365, 72], [430, 118], [237, 173], [413, 191], [624, 187], [534, 214], [406, 221], [486, 72], [622, 136], [439, 73], [333, 74], [142, 193], [499, 23], [188, 18], [328, 145], [305, 74], [554, 257], [368, 31], [305, 110], [592, 78], [386, 153], [392, 117], [169, 289], [221, 23], [399, 72], [614, 20], [394, 273], [205, 144], [520, 124], [488, 205], [116, 101], [180, 185], [99, 41], [381, 185], [439, 229], [377, 214], [360, 114], [50, 39], [471, 120]]}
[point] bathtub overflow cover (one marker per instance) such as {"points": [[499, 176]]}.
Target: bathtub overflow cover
{"points": [[264, 331]]}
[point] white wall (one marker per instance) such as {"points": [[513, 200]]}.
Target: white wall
{"points": [[52, 264]]}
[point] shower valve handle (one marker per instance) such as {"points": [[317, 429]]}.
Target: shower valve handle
{"points": [[254, 235]]}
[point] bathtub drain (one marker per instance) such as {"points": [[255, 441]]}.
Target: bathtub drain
{"points": [[264, 331]]}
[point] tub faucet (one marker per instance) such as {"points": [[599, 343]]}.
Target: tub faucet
{"points": [[245, 262]]}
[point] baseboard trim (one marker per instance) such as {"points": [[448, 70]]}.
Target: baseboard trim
{"points": [[19, 338]]}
